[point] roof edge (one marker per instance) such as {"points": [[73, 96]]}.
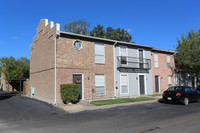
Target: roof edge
{"points": [[104, 39]]}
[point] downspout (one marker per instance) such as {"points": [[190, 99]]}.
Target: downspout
{"points": [[114, 45], [55, 69]]}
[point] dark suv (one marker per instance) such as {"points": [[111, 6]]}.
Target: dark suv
{"points": [[183, 94]]}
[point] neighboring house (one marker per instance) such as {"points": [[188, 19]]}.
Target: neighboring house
{"points": [[104, 68], [163, 70]]}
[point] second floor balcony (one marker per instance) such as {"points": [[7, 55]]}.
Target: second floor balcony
{"points": [[133, 63]]}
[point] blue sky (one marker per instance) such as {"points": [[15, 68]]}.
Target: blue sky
{"points": [[156, 23]]}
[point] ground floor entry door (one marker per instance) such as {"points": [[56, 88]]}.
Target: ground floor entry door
{"points": [[77, 79], [141, 84], [157, 84]]}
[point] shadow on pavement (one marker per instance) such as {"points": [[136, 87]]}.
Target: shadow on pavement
{"points": [[6, 95]]}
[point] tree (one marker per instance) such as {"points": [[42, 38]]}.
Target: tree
{"points": [[187, 57], [98, 31], [13, 68], [111, 33], [77, 26]]}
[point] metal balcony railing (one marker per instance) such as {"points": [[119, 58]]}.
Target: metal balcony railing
{"points": [[133, 62]]}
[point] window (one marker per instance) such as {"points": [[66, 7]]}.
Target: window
{"points": [[168, 61], [123, 54], [99, 53], [124, 83], [99, 84], [77, 45], [156, 63], [169, 81]]}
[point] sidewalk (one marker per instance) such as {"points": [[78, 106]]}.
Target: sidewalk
{"points": [[86, 106]]}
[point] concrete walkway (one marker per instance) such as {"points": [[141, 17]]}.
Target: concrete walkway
{"points": [[86, 106]]}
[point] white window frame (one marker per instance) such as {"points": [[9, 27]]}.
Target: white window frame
{"points": [[124, 55], [169, 79], [104, 84], [156, 61], [121, 83], [139, 55], [168, 61], [96, 43]]}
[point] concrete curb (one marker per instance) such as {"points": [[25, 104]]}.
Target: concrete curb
{"points": [[86, 106]]}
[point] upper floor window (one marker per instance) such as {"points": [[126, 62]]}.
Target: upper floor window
{"points": [[168, 61], [99, 53], [77, 45], [123, 54], [156, 63]]}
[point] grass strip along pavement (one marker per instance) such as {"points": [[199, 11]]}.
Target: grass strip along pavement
{"points": [[120, 100]]}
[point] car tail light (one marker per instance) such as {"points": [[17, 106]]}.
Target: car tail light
{"points": [[178, 94]]}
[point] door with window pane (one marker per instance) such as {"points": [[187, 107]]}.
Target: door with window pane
{"points": [[124, 84], [77, 79]]}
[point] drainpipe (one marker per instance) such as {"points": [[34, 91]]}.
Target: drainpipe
{"points": [[114, 45], [55, 70]]}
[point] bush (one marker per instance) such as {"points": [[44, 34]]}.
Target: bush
{"points": [[69, 92]]}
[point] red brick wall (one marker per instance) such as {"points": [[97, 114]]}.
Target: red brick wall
{"points": [[70, 60], [163, 71], [42, 62]]}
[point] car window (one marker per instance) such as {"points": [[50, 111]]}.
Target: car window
{"points": [[187, 89], [193, 90], [176, 88]]}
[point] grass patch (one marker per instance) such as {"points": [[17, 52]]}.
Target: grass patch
{"points": [[120, 100], [154, 95]]}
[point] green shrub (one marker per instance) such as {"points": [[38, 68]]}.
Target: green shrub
{"points": [[69, 92]]}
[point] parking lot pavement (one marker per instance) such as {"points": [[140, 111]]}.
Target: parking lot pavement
{"points": [[20, 114]]}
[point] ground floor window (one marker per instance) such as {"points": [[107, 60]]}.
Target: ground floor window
{"points": [[100, 84], [124, 83]]}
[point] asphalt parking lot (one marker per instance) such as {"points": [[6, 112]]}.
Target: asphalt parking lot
{"points": [[24, 115]]}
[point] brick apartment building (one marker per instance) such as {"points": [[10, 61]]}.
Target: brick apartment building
{"points": [[104, 68]]}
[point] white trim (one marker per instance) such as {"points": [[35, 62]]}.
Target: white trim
{"points": [[127, 83], [143, 52], [156, 53], [115, 93], [104, 53], [55, 73], [82, 75], [145, 85], [51, 24], [104, 84], [123, 55], [57, 27]]}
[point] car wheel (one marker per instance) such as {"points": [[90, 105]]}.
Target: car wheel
{"points": [[186, 101]]}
